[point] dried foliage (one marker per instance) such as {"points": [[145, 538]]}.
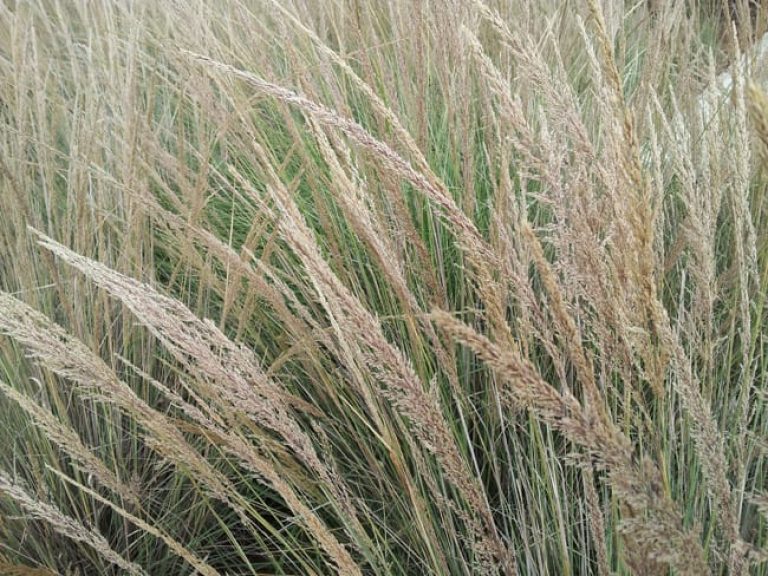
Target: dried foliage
{"points": [[383, 287]]}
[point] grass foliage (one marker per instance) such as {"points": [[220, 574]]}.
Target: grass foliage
{"points": [[386, 287]]}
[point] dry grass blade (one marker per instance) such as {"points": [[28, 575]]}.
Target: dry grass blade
{"points": [[227, 373], [203, 348], [54, 348], [654, 519], [178, 548], [7, 569], [758, 108], [464, 228], [69, 442], [64, 525], [398, 382]]}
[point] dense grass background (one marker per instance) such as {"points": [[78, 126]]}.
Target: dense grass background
{"points": [[383, 287]]}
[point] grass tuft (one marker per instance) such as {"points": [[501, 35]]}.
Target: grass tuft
{"points": [[383, 287]]}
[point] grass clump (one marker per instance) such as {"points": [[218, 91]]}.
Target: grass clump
{"points": [[383, 288]]}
